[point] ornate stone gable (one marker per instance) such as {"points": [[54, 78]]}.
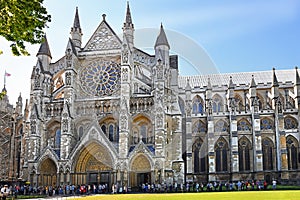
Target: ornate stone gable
{"points": [[104, 38]]}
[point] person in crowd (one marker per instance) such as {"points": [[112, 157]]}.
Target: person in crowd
{"points": [[5, 192]]}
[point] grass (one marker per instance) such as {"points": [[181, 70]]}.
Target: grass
{"points": [[243, 195]]}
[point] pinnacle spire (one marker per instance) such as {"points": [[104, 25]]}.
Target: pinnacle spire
{"points": [[231, 85], [297, 76], [252, 84], [128, 20], [208, 83], [162, 38], [275, 81], [44, 48], [76, 23]]}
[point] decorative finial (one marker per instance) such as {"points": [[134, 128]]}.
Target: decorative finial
{"points": [[103, 16]]}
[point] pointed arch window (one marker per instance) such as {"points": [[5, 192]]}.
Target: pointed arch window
{"points": [[268, 154], [221, 126], [244, 154], [292, 152], [199, 126], [197, 105], [290, 123], [221, 155], [217, 105], [243, 125], [200, 158], [111, 132], [57, 141], [266, 124]]}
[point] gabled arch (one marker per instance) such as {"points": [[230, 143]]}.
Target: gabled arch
{"points": [[141, 161], [93, 157], [197, 105], [94, 135]]}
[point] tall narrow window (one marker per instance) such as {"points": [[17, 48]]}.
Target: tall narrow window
{"points": [[80, 132], [268, 157], [221, 151], [199, 157], [292, 152], [197, 105], [244, 154], [57, 142], [111, 132], [143, 132], [217, 104]]}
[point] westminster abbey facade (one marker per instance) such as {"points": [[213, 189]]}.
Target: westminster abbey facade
{"points": [[108, 112]]}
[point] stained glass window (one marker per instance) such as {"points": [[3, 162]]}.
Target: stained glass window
{"points": [[221, 150], [292, 152], [199, 157], [244, 154], [221, 126], [290, 123], [199, 126], [217, 104], [243, 125], [268, 154], [197, 105], [266, 124], [100, 78]]}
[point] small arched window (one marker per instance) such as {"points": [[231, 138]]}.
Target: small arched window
{"points": [[243, 125], [197, 105], [290, 123], [221, 126], [266, 124], [217, 105]]}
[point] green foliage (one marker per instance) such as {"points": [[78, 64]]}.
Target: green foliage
{"points": [[22, 21], [2, 94]]}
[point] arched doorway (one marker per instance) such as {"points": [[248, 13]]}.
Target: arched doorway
{"points": [[140, 171], [48, 173], [94, 166]]}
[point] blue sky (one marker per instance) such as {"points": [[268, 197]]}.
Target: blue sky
{"points": [[236, 35]]}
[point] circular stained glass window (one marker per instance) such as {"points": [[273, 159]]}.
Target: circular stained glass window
{"points": [[100, 78]]}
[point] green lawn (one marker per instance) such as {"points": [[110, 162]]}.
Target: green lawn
{"points": [[243, 195]]}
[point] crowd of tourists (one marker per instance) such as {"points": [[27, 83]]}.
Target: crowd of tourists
{"points": [[207, 187], [68, 190]]}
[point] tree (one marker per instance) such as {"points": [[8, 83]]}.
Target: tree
{"points": [[22, 21]]}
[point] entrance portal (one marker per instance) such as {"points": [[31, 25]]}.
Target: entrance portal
{"points": [[143, 178], [140, 171], [48, 173], [94, 166]]}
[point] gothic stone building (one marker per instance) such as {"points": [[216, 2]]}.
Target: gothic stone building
{"points": [[108, 112]]}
